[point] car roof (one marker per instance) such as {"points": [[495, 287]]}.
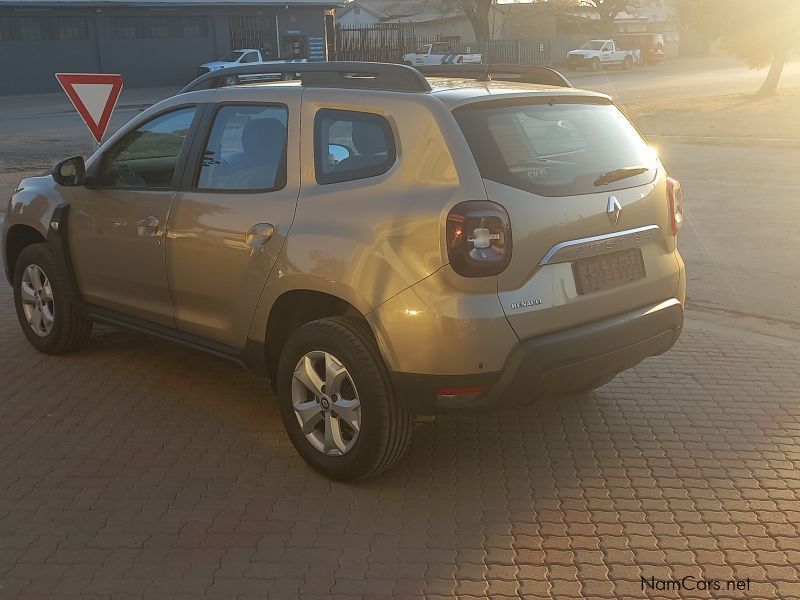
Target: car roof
{"points": [[454, 92], [457, 92]]}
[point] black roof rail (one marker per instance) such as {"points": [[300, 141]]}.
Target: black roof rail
{"points": [[338, 74], [495, 72]]}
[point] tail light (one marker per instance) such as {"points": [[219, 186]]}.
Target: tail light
{"points": [[675, 203], [478, 238]]}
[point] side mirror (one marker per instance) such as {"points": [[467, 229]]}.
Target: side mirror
{"points": [[337, 153], [70, 172]]}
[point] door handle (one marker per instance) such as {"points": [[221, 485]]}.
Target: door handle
{"points": [[259, 235], [148, 227]]}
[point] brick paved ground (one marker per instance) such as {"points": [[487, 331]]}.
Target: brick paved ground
{"points": [[139, 469]]}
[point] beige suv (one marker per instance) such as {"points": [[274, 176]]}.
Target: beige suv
{"points": [[379, 243]]}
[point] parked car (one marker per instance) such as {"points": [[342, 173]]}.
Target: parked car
{"points": [[378, 243], [247, 56], [597, 54], [650, 46], [440, 53]]}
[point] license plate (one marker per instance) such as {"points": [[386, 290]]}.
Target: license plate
{"points": [[607, 271]]}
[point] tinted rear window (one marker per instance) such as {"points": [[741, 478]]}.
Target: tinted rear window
{"points": [[559, 149]]}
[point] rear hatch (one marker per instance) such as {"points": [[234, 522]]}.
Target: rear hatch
{"points": [[587, 201]]}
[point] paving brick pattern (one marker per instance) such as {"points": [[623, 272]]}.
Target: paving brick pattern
{"points": [[139, 469]]}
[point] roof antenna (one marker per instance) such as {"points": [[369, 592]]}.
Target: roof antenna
{"points": [[486, 75]]}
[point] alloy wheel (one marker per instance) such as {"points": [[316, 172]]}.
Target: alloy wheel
{"points": [[326, 403], [37, 300]]}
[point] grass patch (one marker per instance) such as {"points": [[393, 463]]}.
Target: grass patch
{"points": [[734, 116]]}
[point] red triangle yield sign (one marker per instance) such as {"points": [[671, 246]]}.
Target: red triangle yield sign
{"points": [[94, 96]]}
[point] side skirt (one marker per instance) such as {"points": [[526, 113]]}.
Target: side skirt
{"points": [[251, 358]]}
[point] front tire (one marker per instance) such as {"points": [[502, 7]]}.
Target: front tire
{"points": [[49, 318], [337, 401]]}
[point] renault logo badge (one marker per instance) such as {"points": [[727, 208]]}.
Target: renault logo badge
{"points": [[614, 209]]}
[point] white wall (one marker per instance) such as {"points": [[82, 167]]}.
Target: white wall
{"points": [[350, 18]]}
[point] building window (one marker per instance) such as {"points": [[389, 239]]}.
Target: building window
{"points": [[123, 29], [195, 27], [30, 29], [71, 28], [37, 29], [158, 28]]}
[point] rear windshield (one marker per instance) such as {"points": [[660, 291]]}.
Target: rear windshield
{"points": [[559, 149]]}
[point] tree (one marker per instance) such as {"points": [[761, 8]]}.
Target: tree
{"points": [[477, 11], [758, 32], [608, 11]]}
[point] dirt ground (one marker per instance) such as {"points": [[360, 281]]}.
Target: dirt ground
{"points": [[731, 116]]}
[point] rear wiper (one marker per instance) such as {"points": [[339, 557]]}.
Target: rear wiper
{"points": [[618, 174]]}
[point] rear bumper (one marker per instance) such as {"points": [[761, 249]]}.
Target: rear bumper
{"points": [[554, 363]]}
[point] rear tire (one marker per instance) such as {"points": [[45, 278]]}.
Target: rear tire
{"points": [[352, 379], [230, 80], [49, 318], [595, 65], [627, 63]]}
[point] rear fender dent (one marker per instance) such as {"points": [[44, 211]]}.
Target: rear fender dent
{"points": [[433, 328]]}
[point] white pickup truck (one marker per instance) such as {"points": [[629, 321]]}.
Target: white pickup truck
{"points": [[600, 53], [247, 56], [439, 53]]}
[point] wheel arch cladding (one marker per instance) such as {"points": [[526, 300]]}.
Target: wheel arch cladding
{"points": [[18, 238], [295, 308]]}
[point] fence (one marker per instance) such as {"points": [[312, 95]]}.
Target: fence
{"points": [[382, 42], [387, 42]]}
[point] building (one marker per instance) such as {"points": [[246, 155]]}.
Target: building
{"points": [[150, 42], [430, 18]]}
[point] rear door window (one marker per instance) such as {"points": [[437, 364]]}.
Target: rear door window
{"points": [[246, 149], [559, 149]]}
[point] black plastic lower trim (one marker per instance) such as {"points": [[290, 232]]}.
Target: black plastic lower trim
{"points": [[249, 357], [58, 241], [555, 363]]}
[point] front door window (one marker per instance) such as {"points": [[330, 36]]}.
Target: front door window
{"points": [[147, 156]]}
